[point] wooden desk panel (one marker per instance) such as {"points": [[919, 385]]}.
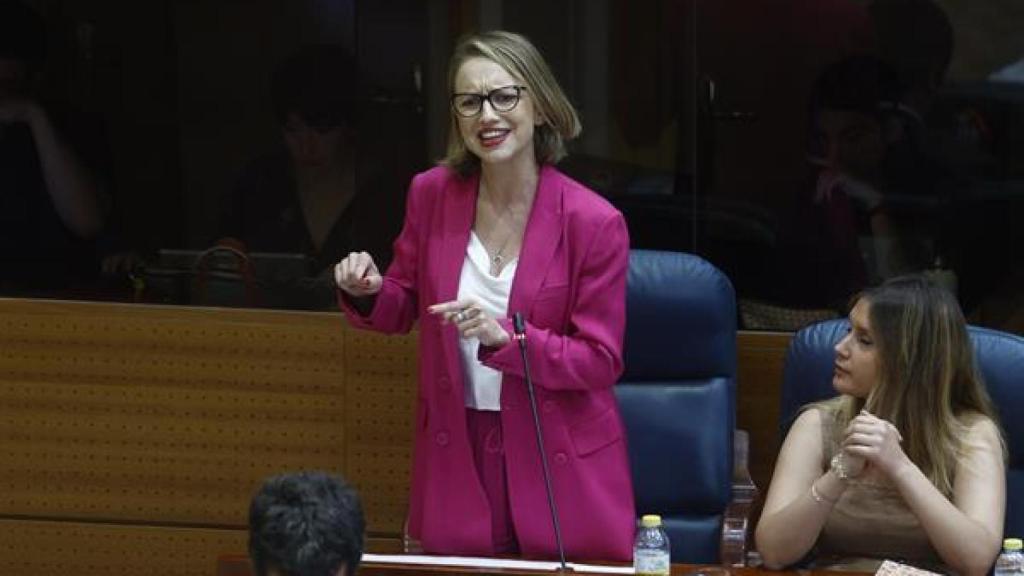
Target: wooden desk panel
{"points": [[155, 417], [381, 390], [759, 383], [138, 413], [238, 565], [152, 418], [677, 570], [59, 548]]}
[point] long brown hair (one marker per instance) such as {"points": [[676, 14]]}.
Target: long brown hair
{"points": [[520, 58], [929, 386]]}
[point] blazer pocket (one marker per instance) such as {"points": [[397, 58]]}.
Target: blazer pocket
{"points": [[594, 434], [550, 306]]}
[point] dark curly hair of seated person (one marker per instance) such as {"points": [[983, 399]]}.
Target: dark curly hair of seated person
{"points": [[306, 524]]}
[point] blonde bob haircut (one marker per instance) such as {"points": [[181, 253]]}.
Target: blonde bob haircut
{"points": [[929, 386], [520, 58]]}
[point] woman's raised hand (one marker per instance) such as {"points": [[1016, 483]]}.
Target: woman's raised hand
{"points": [[877, 441], [471, 321], [357, 275]]}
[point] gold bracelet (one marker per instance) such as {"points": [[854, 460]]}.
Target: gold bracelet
{"points": [[819, 498]]}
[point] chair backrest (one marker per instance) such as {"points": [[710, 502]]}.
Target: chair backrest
{"points": [[678, 396], [1000, 359]]}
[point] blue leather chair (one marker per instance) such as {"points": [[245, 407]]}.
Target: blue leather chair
{"points": [[1000, 357], [678, 396]]}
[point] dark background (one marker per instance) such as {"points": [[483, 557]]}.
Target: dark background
{"points": [[694, 114]]}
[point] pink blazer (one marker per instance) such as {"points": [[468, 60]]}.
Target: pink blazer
{"points": [[570, 285]]}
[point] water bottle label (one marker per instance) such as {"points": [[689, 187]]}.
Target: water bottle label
{"points": [[651, 563], [1009, 563]]}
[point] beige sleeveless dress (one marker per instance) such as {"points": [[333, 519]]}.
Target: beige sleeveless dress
{"points": [[870, 522]]}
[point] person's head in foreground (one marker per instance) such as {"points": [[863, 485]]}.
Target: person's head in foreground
{"points": [[306, 524]]}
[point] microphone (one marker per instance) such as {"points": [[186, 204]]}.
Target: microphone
{"points": [[519, 330]]}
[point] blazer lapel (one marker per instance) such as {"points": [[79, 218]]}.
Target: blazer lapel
{"points": [[540, 240], [459, 207]]}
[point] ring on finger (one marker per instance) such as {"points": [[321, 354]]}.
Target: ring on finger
{"points": [[460, 316]]}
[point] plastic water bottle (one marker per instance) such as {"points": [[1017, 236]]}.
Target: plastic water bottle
{"points": [[1011, 561], [651, 553]]}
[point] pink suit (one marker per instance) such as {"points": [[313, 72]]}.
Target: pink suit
{"points": [[570, 285]]}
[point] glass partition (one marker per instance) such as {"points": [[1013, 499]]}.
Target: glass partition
{"points": [[230, 151]]}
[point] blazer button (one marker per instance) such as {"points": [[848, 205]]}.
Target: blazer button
{"points": [[549, 405], [441, 438], [561, 458], [444, 384]]}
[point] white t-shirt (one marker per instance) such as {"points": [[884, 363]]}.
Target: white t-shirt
{"points": [[483, 384]]}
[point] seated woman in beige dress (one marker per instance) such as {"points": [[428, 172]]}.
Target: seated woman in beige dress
{"points": [[907, 463]]}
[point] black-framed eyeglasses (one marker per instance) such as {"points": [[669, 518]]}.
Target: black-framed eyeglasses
{"points": [[503, 99]]}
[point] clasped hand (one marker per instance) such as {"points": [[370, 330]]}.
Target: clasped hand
{"points": [[871, 441]]}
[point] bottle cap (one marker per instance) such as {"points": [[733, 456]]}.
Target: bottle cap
{"points": [[1013, 544], [653, 521]]}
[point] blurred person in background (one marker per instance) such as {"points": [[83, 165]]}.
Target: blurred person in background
{"points": [[311, 195], [52, 198]]}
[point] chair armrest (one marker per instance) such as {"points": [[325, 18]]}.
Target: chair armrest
{"points": [[735, 525]]}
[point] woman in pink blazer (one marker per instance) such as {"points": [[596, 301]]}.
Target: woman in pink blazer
{"points": [[494, 231]]}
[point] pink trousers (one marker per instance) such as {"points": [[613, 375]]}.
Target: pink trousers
{"points": [[486, 440]]}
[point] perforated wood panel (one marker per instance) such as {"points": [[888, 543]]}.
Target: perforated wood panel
{"points": [[379, 422], [62, 548], [172, 416], [143, 414]]}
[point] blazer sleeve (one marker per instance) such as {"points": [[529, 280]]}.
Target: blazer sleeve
{"points": [[589, 355], [395, 307]]}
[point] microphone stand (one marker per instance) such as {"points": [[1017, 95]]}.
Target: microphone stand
{"points": [[519, 328]]}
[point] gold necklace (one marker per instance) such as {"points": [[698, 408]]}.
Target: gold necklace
{"points": [[498, 257]]}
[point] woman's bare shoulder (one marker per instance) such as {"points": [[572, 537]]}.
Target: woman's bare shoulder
{"points": [[808, 423], [980, 431]]}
